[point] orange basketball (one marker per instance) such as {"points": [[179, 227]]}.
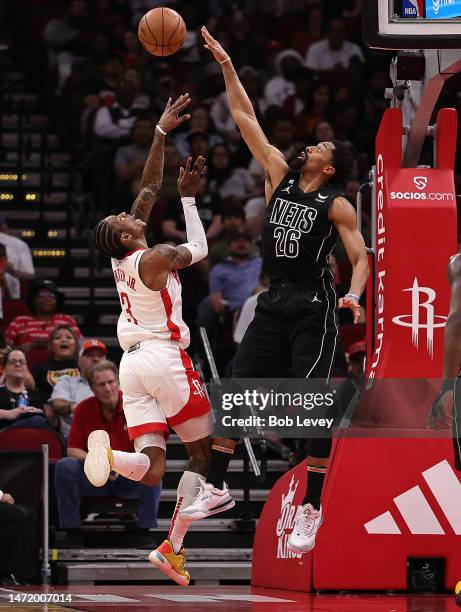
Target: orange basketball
{"points": [[162, 31]]}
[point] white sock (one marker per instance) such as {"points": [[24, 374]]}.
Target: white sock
{"points": [[131, 465], [188, 488]]}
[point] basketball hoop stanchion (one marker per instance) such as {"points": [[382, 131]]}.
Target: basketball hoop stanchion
{"points": [[46, 571], [216, 379], [405, 489]]}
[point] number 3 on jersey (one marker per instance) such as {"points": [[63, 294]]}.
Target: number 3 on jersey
{"points": [[287, 242], [126, 305]]}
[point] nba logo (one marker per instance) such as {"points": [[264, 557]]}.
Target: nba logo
{"points": [[412, 9]]}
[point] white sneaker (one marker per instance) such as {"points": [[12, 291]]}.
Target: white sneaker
{"points": [[97, 464], [207, 502], [307, 523]]}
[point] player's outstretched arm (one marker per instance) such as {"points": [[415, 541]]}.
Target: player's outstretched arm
{"points": [[152, 175], [343, 217], [270, 158], [162, 258]]}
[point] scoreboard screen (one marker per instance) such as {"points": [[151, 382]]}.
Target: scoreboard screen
{"points": [[425, 10]]}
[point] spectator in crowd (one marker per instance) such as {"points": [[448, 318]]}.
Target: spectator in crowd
{"points": [[70, 390], [333, 52], [20, 267], [313, 33], [115, 122], [172, 161], [19, 406], [231, 183], [200, 122], [222, 118], [209, 210], [130, 159], [247, 312], [318, 108], [353, 384], [231, 283], [131, 50], [323, 132], [31, 332], [63, 349], [296, 103], [250, 80], [67, 39], [198, 142], [4, 349], [4, 291], [233, 218], [103, 411], [19, 537], [375, 102], [279, 87], [254, 215], [99, 88], [281, 136]]}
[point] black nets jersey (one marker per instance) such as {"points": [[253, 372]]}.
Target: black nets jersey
{"points": [[296, 235]]}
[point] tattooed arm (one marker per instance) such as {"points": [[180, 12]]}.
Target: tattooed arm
{"points": [[157, 262], [152, 175]]}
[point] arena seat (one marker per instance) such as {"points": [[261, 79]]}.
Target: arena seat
{"points": [[12, 309], [29, 438]]}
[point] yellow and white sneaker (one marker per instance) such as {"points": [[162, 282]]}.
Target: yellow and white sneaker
{"points": [[99, 460], [170, 563]]}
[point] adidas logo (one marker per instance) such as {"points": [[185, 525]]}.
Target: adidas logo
{"points": [[416, 510]]}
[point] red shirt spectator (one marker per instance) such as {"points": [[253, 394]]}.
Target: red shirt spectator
{"points": [[88, 417], [30, 333], [27, 329]]}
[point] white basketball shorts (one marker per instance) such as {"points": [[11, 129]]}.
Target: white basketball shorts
{"points": [[160, 388]]}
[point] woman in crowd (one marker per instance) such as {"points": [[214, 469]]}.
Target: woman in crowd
{"points": [[19, 407], [30, 333], [231, 183], [62, 359], [318, 107]]}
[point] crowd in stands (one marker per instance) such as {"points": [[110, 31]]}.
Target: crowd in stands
{"points": [[309, 79]]}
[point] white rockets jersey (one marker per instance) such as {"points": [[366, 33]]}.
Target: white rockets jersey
{"points": [[147, 314]]}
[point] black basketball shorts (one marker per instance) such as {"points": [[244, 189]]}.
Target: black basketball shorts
{"points": [[293, 333]]}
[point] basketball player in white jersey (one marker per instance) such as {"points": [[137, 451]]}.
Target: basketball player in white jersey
{"points": [[160, 387]]}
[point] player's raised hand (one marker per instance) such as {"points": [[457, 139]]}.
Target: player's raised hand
{"points": [[171, 118], [190, 176], [348, 302], [212, 45]]}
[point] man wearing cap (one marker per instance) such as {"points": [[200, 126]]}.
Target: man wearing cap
{"points": [[102, 411], [71, 390]]}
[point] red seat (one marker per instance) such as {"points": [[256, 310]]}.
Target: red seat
{"points": [[12, 309], [30, 438], [352, 333]]}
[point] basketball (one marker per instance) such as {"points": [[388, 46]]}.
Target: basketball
{"points": [[162, 31]]}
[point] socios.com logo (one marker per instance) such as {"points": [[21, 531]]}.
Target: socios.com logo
{"points": [[435, 6]]}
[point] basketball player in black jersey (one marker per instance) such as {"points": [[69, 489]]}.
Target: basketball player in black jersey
{"points": [[294, 324], [447, 407]]}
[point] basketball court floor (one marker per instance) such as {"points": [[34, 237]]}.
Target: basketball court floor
{"points": [[228, 598]]}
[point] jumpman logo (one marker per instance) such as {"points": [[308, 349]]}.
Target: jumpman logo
{"points": [[316, 299], [287, 189]]}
